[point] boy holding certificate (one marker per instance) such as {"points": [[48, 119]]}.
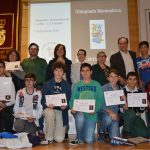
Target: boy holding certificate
{"points": [[56, 117], [6, 107], [134, 125], [86, 89], [108, 116], [28, 108]]}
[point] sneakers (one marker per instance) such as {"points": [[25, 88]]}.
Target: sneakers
{"points": [[46, 142], [101, 137], [75, 142]]}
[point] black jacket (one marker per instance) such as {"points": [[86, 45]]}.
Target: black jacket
{"points": [[117, 62]]}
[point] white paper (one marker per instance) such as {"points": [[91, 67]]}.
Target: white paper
{"points": [[12, 65], [56, 99], [84, 105], [5, 89], [137, 99], [21, 115], [114, 97]]}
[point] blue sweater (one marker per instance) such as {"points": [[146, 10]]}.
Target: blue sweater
{"points": [[48, 89]]}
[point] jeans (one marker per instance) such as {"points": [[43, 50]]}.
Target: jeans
{"points": [[85, 128], [107, 124]]}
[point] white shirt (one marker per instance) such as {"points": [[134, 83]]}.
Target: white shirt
{"points": [[75, 72], [27, 104], [129, 66]]}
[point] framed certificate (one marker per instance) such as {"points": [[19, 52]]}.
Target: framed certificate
{"points": [[5, 88], [114, 97], [84, 105], [137, 99], [56, 99], [12, 65]]}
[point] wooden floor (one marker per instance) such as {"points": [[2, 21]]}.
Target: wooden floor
{"points": [[95, 146]]}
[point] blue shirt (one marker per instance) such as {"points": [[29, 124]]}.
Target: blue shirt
{"points": [[143, 66]]}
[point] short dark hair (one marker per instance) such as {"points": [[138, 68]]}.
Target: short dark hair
{"points": [[10, 52], [132, 74], [56, 49], [144, 43], [82, 51], [123, 38], [2, 62], [58, 65], [30, 75], [34, 45], [113, 70], [86, 65]]}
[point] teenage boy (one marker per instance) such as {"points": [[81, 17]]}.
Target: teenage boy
{"points": [[56, 118], [143, 63], [28, 108], [134, 125], [108, 116], [6, 108], [86, 89]]}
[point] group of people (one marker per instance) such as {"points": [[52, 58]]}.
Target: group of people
{"points": [[28, 111]]}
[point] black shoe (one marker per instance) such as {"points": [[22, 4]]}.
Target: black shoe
{"points": [[75, 142], [66, 136], [101, 138], [126, 134]]}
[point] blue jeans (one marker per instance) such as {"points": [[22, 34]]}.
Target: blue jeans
{"points": [[107, 124], [85, 128]]}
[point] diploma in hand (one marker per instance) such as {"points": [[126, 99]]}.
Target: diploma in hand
{"points": [[114, 97], [137, 99], [84, 105], [56, 99], [5, 88], [12, 65]]}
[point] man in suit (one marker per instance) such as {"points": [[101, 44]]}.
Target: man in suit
{"points": [[124, 60], [75, 68]]}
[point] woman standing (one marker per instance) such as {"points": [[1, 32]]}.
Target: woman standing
{"points": [[59, 56], [100, 70]]}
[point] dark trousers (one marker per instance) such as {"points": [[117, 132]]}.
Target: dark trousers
{"points": [[6, 119]]}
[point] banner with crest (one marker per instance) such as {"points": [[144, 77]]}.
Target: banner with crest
{"points": [[9, 14]]}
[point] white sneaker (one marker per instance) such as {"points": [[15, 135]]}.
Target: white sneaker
{"points": [[46, 142]]}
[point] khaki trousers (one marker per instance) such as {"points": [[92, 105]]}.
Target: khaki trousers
{"points": [[54, 129]]}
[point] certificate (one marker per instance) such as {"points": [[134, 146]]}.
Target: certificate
{"points": [[56, 99], [12, 65], [84, 105], [114, 97], [5, 88], [137, 99]]}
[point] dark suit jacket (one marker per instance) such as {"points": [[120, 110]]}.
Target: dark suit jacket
{"points": [[117, 62]]}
